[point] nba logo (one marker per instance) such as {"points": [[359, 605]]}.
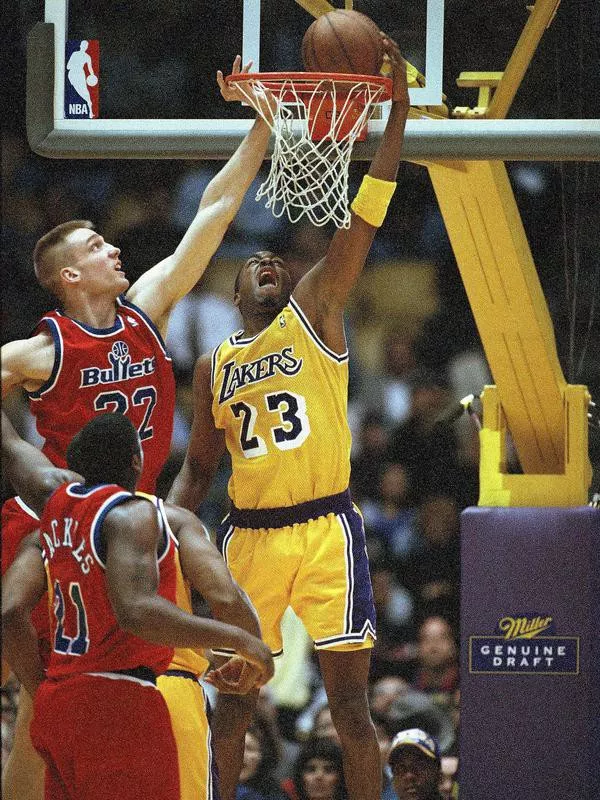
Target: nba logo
{"points": [[82, 59]]}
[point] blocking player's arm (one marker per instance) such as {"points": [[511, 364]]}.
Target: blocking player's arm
{"points": [[157, 291], [23, 585], [27, 363], [31, 474], [131, 533], [323, 292], [206, 571], [205, 447]]}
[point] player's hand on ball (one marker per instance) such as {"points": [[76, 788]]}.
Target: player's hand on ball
{"points": [[397, 64]]}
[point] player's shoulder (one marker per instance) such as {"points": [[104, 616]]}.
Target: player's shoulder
{"points": [[178, 516], [181, 519], [127, 508], [31, 346]]}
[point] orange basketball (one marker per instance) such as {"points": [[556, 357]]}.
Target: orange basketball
{"points": [[343, 41]]}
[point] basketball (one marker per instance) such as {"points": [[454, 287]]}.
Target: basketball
{"points": [[91, 80], [343, 41]]}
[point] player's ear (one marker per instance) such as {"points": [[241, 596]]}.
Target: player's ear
{"points": [[69, 275]]}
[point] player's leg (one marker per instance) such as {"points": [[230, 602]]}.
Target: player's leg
{"points": [[186, 702], [332, 595], [232, 716], [345, 675], [23, 772], [262, 562]]}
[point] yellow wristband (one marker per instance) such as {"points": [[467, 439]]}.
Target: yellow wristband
{"points": [[372, 201]]}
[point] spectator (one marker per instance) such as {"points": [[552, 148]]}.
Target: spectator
{"points": [[394, 608], [392, 520], [323, 727], [261, 756], [424, 445], [433, 577], [318, 773], [438, 662], [384, 692], [415, 709], [198, 323], [448, 782], [415, 762], [369, 460]]}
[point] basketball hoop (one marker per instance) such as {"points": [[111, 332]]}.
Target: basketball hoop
{"points": [[318, 118]]}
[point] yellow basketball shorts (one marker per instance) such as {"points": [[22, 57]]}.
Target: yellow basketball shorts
{"points": [[317, 565], [188, 708]]}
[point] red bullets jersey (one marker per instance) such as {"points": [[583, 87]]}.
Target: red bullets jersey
{"points": [[124, 368], [84, 633], [18, 521]]}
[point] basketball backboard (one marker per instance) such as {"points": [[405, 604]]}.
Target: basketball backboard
{"points": [[143, 77]]}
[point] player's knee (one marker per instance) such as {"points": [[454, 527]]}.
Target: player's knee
{"points": [[350, 715]]}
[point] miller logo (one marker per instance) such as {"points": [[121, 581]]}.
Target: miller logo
{"points": [[235, 376], [522, 650], [522, 627], [121, 368]]}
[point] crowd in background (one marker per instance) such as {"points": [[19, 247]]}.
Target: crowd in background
{"points": [[413, 471]]}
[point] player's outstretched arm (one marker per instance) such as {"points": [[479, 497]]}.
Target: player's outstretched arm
{"points": [[205, 447], [131, 533], [23, 585], [157, 291], [323, 292], [31, 474]]}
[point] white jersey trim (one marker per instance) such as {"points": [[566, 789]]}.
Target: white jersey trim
{"points": [[24, 507], [115, 676], [339, 358]]}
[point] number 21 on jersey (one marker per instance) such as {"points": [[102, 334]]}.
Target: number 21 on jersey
{"points": [[290, 427]]}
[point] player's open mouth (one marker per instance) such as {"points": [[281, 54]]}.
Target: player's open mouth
{"points": [[267, 277]]}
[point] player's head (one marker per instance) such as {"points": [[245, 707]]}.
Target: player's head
{"points": [[73, 258], [107, 450], [414, 759], [263, 285]]}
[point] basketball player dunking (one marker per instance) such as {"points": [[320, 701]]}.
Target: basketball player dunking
{"points": [[104, 351], [275, 395]]}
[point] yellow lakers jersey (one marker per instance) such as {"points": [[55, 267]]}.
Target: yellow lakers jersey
{"points": [[281, 398], [184, 658]]}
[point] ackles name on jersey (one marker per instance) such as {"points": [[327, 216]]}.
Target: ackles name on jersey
{"points": [[235, 376], [121, 368]]}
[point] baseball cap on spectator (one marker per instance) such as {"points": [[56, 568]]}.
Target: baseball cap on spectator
{"points": [[414, 737]]}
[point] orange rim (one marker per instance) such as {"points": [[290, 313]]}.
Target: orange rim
{"points": [[309, 82]]}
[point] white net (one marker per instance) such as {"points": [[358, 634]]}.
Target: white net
{"points": [[315, 126]]}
